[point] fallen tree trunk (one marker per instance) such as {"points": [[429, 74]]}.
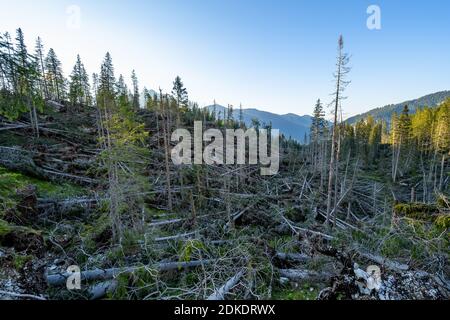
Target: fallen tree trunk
{"points": [[52, 175], [389, 264], [295, 257], [165, 222], [176, 237], [13, 127], [101, 289], [305, 275], [220, 293], [68, 206], [59, 279]]}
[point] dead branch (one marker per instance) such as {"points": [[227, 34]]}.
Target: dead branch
{"points": [[220, 293]]}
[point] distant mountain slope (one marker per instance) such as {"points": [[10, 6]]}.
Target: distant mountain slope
{"points": [[385, 113], [291, 125]]}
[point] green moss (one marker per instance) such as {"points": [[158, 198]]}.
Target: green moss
{"points": [[395, 245], [282, 244], [304, 293], [19, 261], [443, 221], [11, 181], [4, 228], [443, 202], [97, 234], [416, 210], [23, 237], [141, 281]]}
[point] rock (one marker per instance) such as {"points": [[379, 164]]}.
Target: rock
{"points": [[410, 285]]}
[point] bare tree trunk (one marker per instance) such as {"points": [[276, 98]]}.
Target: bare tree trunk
{"points": [[441, 180], [396, 162], [332, 174], [342, 70], [166, 151]]}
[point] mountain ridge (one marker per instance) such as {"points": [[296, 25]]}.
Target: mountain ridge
{"points": [[385, 113], [291, 125]]}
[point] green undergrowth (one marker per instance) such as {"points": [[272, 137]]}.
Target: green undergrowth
{"points": [[11, 182], [409, 240], [305, 292]]}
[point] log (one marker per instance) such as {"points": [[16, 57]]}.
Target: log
{"points": [[295, 257], [165, 222], [220, 293], [59, 279], [305, 275], [68, 206], [389, 264], [101, 289], [176, 237], [13, 127], [52, 174]]}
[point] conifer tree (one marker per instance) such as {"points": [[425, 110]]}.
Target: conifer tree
{"points": [[79, 88], [442, 137], [401, 141], [180, 93], [54, 76], [136, 95], [121, 139], [27, 77], [41, 67], [317, 129], [11, 103], [241, 117]]}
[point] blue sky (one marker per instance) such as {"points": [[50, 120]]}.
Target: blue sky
{"points": [[275, 55]]}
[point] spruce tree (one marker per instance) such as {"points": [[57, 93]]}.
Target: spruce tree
{"points": [[55, 78], [180, 93], [27, 80], [317, 129], [79, 88], [136, 95], [39, 53], [442, 137]]}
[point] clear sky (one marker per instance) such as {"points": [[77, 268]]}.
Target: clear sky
{"points": [[274, 55]]}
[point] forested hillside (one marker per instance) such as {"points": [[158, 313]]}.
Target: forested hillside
{"points": [[385, 113], [87, 181]]}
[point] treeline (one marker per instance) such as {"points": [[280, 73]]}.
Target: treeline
{"points": [[418, 142], [28, 78], [385, 113]]}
